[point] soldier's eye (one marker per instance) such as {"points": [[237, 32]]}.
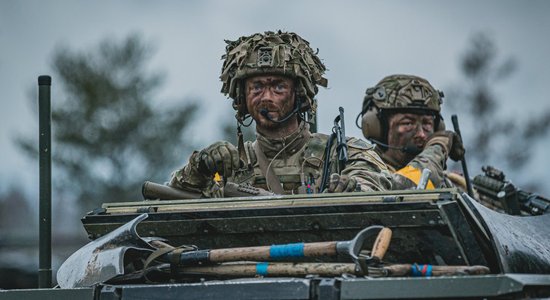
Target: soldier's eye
{"points": [[428, 125], [257, 87], [281, 87], [407, 125]]}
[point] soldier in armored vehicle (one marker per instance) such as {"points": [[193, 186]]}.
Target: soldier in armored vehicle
{"points": [[272, 78], [401, 115]]}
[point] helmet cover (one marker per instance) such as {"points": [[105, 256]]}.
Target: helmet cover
{"points": [[272, 53], [398, 93], [404, 92]]}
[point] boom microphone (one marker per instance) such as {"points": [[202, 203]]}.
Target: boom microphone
{"points": [[264, 112], [413, 149]]}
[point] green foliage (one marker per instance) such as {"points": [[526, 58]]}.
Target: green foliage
{"points": [[109, 133], [482, 72]]}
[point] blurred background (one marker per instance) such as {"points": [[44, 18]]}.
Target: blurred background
{"points": [[135, 88]]}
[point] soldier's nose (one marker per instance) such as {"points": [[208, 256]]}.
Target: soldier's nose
{"points": [[266, 101], [421, 133]]}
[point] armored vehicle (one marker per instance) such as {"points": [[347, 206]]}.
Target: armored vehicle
{"points": [[442, 232], [407, 244]]}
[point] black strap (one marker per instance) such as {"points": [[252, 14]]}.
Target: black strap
{"points": [[363, 266], [156, 254]]}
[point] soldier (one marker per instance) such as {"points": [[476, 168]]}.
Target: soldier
{"points": [[401, 114], [272, 79]]}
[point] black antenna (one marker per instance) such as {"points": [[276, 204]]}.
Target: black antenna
{"points": [[45, 197], [454, 119]]}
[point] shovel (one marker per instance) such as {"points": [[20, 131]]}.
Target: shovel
{"points": [[105, 257], [235, 267], [350, 248]]}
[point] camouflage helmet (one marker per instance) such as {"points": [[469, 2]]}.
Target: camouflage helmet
{"points": [[398, 93], [272, 53]]}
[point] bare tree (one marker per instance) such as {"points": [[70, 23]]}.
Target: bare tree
{"points": [[493, 137]]}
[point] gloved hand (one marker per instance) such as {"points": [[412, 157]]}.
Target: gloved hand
{"points": [[221, 157], [451, 143], [341, 183]]}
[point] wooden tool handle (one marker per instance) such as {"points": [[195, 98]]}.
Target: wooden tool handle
{"points": [[274, 252], [428, 270], [239, 269], [381, 243], [271, 269]]}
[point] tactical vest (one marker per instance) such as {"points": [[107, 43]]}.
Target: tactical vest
{"points": [[304, 166]]}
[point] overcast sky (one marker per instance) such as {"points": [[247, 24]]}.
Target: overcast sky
{"points": [[359, 41]]}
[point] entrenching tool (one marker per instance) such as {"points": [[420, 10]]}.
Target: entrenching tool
{"points": [[186, 263], [363, 265], [104, 258], [350, 248]]}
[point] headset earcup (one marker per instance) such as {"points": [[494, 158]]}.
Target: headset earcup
{"points": [[441, 125], [371, 124]]}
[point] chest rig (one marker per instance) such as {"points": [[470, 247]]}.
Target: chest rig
{"points": [[298, 168]]}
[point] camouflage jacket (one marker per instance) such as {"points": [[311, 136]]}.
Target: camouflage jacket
{"points": [[297, 160], [433, 157]]}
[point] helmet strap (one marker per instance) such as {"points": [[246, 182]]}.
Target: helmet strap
{"points": [[298, 107], [383, 117], [241, 120]]}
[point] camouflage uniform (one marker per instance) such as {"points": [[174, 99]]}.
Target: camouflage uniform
{"points": [[296, 160], [299, 164], [434, 158], [410, 94]]}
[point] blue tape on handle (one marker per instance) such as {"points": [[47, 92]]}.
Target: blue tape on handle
{"points": [[415, 272], [284, 251], [421, 270], [261, 268]]}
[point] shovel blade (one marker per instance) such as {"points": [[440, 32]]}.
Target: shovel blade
{"points": [[103, 258]]}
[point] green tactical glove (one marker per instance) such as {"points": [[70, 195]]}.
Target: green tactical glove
{"points": [[451, 143], [221, 157], [341, 183]]}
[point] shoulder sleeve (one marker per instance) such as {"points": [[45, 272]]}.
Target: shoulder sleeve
{"points": [[366, 166], [359, 144], [359, 149]]}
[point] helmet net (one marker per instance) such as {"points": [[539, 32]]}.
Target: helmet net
{"points": [[272, 53]]}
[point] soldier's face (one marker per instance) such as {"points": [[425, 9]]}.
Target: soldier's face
{"points": [[408, 130], [275, 94]]}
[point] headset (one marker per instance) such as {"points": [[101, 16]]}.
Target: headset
{"points": [[374, 124]]}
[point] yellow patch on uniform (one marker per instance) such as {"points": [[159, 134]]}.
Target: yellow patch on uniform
{"points": [[414, 174]]}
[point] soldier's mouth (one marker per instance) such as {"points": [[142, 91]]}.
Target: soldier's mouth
{"points": [[264, 111]]}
